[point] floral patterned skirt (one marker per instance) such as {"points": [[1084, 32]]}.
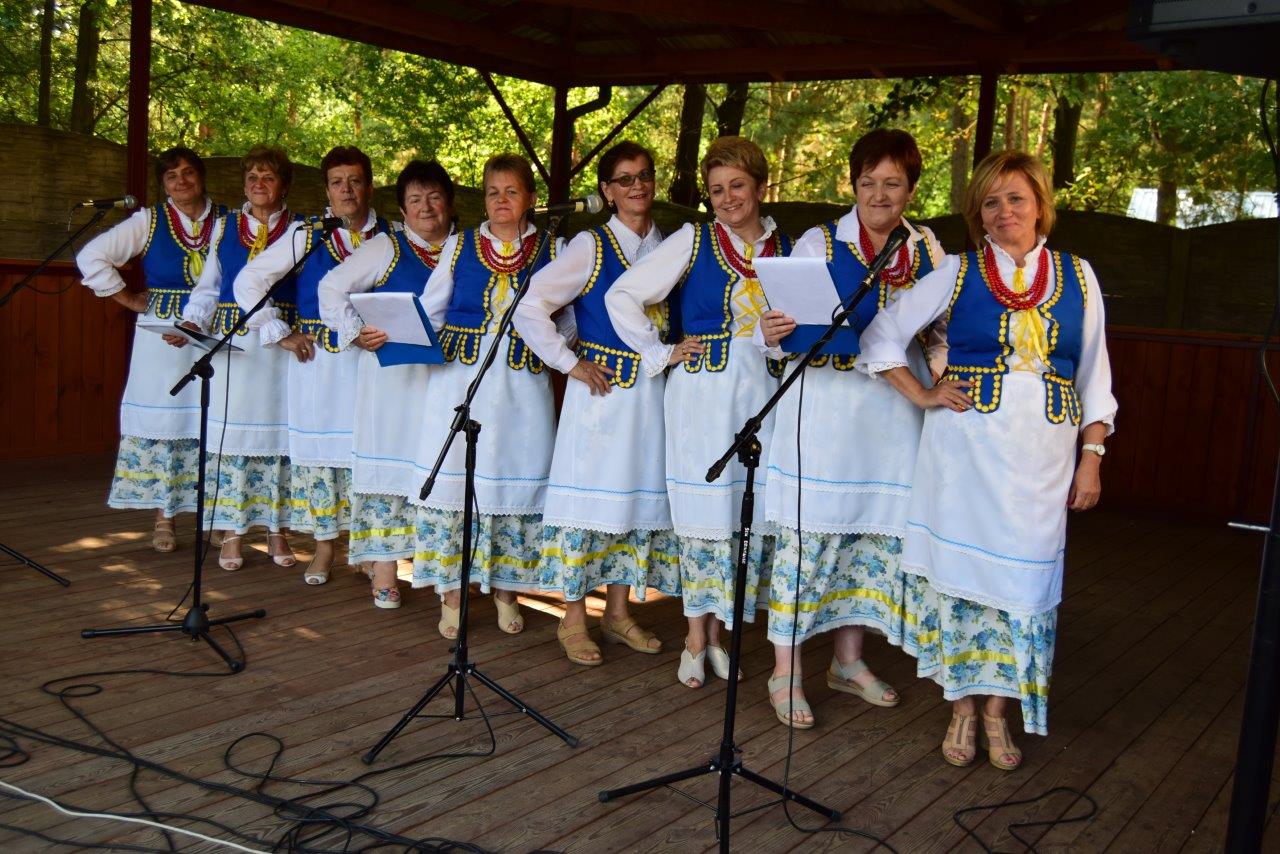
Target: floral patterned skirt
{"points": [[969, 648], [576, 561], [707, 570], [246, 492], [155, 474], [382, 527], [844, 580], [319, 500], [507, 550]]}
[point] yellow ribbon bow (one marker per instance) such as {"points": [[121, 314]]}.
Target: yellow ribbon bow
{"points": [[259, 241], [504, 280], [1031, 338], [750, 302]]}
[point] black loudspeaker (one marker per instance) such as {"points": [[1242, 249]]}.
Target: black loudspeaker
{"points": [[1236, 36]]}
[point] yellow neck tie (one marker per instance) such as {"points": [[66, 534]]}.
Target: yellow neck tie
{"points": [[504, 279], [750, 301], [259, 241], [1032, 340]]}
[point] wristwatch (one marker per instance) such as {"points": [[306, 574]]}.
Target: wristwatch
{"points": [[1099, 449]]}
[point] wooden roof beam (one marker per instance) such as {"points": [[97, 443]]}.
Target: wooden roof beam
{"points": [[901, 31], [1055, 23], [987, 15]]}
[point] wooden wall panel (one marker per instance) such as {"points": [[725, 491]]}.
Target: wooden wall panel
{"points": [[63, 359]]}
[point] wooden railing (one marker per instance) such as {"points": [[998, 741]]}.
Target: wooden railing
{"points": [[1198, 432]]}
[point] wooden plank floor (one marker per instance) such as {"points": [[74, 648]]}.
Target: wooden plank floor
{"points": [[1154, 634]]}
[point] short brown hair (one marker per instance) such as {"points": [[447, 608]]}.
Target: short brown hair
{"points": [[171, 157], [346, 155], [514, 164], [625, 150], [269, 157], [996, 165], [897, 145], [738, 152]]}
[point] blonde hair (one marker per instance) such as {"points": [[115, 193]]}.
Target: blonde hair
{"points": [[996, 165], [738, 152]]}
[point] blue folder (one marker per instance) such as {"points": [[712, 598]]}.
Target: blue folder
{"points": [[398, 353]]}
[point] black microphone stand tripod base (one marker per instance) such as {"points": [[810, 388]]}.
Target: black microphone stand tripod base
{"points": [[196, 623], [461, 668]]}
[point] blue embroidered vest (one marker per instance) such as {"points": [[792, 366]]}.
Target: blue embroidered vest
{"points": [[408, 273], [469, 315], [597, 339], [232, 256], [170, 269], [321, 261], [849, 268], [979, 336], [701, 300]]}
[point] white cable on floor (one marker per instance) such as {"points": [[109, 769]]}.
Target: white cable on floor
{"points": [[77, 814]]}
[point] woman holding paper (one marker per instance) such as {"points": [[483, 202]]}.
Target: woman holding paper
{"points": [[320, 423], [159, 434], [840, 526], [390, 400], [248, 467], [719, 380], [607, 518], [997, 470], [465, 300]]}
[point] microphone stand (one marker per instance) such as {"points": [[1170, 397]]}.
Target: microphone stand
{"points": [[746, 447], [4, 300], [196, 623], [460, 668]]}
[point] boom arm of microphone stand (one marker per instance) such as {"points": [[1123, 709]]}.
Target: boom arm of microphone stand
{"points": [[504, 323], [25, 280], [199, 366]]}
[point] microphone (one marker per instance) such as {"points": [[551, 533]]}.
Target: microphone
{"points": [[107, 204], [327, 223], [591, 204], [896, 238]]}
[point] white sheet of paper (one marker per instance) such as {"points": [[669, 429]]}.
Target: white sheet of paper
{"points": [[394, 314], [197, 339], [800, 288]]}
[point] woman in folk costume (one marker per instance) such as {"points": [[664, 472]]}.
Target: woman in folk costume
{"points": [[159, 434], [719, 379], [390, 401], [997, 469], [248, 466], [322, 378], [465, 300], [607, 518], [840, 525]]}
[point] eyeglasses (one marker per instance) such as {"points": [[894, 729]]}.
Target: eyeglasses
{"points": [[645, 175]]}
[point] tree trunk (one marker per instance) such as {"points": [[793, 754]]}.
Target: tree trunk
{"points": [[730, 111], [88, 39], [1010, 118], [1167, 202], [1066, 132], [959, 154], [46, 64], [1042, 132], [684, 186]]}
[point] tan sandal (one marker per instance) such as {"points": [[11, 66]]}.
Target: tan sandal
{"points": [[788, 707], [998, 743], [578, 645], [450, 618], [840, 678], [960, 746], [163, 537], [509, 615], [627, 631], [230, 564], [283, 558]]}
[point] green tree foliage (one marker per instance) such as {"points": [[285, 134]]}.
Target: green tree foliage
{"points": [[222, 82]]}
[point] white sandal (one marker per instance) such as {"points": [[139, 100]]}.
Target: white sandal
{"points": [[720, 662], [230, 564], [692, 667]]}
